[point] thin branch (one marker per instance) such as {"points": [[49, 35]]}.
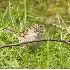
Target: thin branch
{"points": [[17, 44]]}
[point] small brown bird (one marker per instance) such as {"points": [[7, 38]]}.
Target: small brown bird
{"points": [[33, 33]]}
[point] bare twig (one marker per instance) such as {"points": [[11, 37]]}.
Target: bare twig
{"points": [[17, 44]]}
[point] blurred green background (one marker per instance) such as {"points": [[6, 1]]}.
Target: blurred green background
{"points": [[20, 14]]}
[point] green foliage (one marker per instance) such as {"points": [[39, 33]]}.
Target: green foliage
{"points": [[53, 55]]}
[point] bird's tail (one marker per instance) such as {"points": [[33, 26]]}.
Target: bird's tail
{"points": [[10, 31]]}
